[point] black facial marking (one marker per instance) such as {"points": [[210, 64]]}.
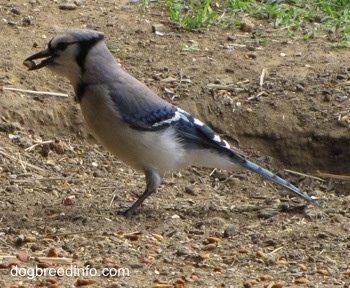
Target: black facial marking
{"points": [[85, 47]]}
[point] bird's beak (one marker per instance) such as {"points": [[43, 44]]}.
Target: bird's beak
{"points": [[30, 64]]}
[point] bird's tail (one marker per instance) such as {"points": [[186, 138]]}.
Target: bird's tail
{"points": [[271, 176]]}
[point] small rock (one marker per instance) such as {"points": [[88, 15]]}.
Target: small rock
{"points": [[58, 147], [261, 254], [243, 251], [84, 282], [136, 266], [247, 26], [229, 231], [209, 247], [12, 189], [251, 55], [53, 252], [302, 281], [346, 227], [302, 267], [15, 11], [323, 272], [27, 21], [265, 277], [30, 239], [19, 241], [35, 248], [342, 98], [213, 240], [190, 191], [183, 251], [68, 6], [327, 98], [157, 27], [342, 77], [132, 237], [277, 285], [250, 283], [282, 262], [300, 88]]}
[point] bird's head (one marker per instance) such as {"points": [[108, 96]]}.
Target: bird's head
{"points": [[65, 53]]}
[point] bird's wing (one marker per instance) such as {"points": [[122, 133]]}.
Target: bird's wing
{"points": [[148, 112]]}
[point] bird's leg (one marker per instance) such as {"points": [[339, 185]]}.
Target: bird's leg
{"points": [[153, 181]]}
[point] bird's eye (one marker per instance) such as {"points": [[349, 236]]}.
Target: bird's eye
{"points": [[62, 46]]}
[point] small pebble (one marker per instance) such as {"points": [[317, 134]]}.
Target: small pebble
{"points": [[157, 27], [190, 191], [209, 247], [261, 254], [342, 77], [229, 231], [12, 189], [53, 252], [265, 277], [15, 11], [247, 26], [68, 6], [251, 55], [85, 282], [302, 281]]}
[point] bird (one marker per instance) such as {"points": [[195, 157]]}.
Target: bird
{"points": [[132, 122]]}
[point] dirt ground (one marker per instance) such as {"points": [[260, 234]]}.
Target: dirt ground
{"points": [[285, 103]]}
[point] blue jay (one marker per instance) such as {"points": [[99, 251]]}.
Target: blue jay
{"points": [[132, 122]]}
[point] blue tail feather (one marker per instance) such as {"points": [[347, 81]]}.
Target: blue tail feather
{"points": [[271, 176]]}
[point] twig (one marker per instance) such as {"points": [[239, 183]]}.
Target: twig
{"points": [[224, 87], [40, 93], [178, 85], [21, 162], [334, 176], [212, 172], [30, 148], [273, 187], [24, 162], [302, 174], [243, 82], [276, 250], [113, 197], [256, 96], [69, 233], [39, 179], [262, 76]]}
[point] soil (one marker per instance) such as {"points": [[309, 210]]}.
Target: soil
{"points": [[283, 102]]}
